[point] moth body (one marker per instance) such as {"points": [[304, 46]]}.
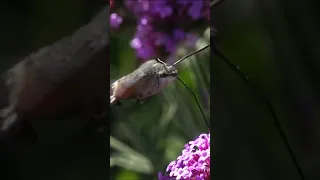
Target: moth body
{"points": [[149, 79]]}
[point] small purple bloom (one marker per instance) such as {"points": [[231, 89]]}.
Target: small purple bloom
{"points": [[144, 21], [136, 43], [115, 20]]}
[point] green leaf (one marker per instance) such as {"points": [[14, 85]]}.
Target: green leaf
{"points": [[128, 158]]}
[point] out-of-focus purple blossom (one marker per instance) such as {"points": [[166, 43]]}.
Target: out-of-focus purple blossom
{"points": [[162, 25], [136, 43], [115, 20], [193, 163], [195, 9], [178, 34]]}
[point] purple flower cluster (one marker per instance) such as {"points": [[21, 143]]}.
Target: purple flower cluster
{"points": [[163, 24], [193, 163]]}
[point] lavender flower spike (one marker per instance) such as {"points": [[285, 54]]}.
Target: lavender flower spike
{"points": [[193, 163]]}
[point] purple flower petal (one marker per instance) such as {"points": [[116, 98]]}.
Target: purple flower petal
{"points": [[195, 10], [136, 43], [178, 34]]}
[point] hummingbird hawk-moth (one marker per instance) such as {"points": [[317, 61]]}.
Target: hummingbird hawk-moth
{"points": [[149, 79]]}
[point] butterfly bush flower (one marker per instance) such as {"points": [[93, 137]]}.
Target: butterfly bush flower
{"points": [[193, 163], [162, 24]]}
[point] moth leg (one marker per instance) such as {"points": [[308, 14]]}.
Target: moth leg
{"points": [[140, 100]]}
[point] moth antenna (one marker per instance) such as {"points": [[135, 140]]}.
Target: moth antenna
{"points": [[164, 64], [195, 97], [160, 61], [185, 57], [268, 105]]}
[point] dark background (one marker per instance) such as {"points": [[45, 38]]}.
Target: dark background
{"points": [[276, 44], [66, 147]]}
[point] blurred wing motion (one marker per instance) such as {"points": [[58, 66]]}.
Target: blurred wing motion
{"points": [[12, 127], [49, 82]]}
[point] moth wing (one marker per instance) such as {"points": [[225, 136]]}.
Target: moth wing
{"points": [[131, 85], [139, 76]]}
